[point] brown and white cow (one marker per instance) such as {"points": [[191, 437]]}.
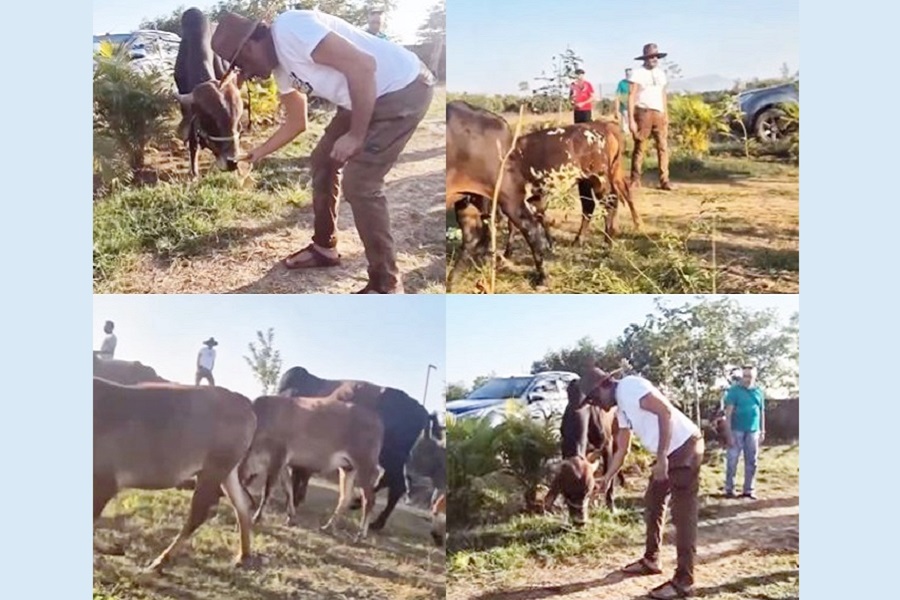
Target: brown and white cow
{"points": [[154, 436], [593, 150], [575, 481], [477, 140], [211, 104], [316, 435]]}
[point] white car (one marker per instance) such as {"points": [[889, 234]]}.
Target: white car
{"points": [[148, 49], [542, 395]]}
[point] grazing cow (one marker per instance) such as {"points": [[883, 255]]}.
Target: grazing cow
{"points": [[594, 149], [402, 416], [575, 481], [428, 458], [210, 106], [589, 429], [317, 435], [439, 520], [125, 372], [477, 140], [156, 435]]}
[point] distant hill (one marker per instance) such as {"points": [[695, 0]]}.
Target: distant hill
{"points": [[701, 83]]}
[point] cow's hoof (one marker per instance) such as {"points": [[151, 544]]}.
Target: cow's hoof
{"points": [[376, 525], [246, 562]]}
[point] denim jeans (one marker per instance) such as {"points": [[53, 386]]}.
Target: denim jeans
{"points": [[748, 443]]}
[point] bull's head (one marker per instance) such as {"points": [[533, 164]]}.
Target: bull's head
{"points": [[215, 109], [575, 482]]}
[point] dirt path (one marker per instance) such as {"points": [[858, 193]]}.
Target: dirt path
{"points": [[251, 266], [746, 550]]}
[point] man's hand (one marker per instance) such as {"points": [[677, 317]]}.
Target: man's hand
{"points": [[660, 470], [601, 484], [252, 157], [632, 125], [346, 146]]}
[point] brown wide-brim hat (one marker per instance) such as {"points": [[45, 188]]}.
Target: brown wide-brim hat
{"points": [[650, 51], [231, 35]]}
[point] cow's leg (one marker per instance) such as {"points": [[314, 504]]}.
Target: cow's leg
{"points": [[300, 478], [276, 465], [394, 479], [601, 191], [194, 150], [469, 219], [368, 478], [105, 489], [241, 502], [623, 193], [345, 494], [287, 481], [205, 495], [525, 222], [507, 253]]}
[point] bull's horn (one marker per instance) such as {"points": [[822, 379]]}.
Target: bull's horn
{"points": [[185, 98]]}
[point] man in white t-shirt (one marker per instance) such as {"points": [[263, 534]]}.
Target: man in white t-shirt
{"points": [[382, 92], [648, 114], [206, 360], [678, 445], [108, 346]]}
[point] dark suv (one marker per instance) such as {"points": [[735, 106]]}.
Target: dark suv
{"points": [[762, 113]]}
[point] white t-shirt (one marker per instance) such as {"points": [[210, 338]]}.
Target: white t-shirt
{"points": [[108, 347], [644, 423], [207, 358], [653, 83], [296, 34]]}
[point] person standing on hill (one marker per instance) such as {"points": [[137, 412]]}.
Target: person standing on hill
{"points": [[108, 347], [622, 91], [206, 360]]}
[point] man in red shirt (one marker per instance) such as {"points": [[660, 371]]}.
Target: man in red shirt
{"points": [[581, 92]]}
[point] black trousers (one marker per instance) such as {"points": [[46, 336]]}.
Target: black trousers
{"points": [[584, 186]]}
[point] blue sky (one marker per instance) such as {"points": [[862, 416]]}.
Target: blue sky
{"points": [[116, 16], [505, 334], [389, 340], [492, 46]]}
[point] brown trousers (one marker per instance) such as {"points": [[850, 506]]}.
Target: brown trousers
{"points": [[394, 121], [650, 123], [683, 485]]}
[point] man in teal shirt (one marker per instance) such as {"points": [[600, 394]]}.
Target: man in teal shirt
{"points": [[622, 100], [746, 416]]}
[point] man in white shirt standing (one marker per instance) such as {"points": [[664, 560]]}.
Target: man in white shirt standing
{"points": [[206, 360], [678, 445], [108, 347], [382, 92], [648, 114]]}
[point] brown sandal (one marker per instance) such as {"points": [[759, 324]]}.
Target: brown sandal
{"points": [[641, 567], [669, 591], [314, 259]]}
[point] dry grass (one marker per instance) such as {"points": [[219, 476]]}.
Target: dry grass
{"points": [[748, 207], [238, 250], [297, 562]]}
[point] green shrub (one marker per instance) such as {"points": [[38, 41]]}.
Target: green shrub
{"points": [[130, 108], [692, 123]]}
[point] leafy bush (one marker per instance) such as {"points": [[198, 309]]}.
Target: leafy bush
{"points": [[263, 104], [525, 445], [692, 122], [130, 108]]}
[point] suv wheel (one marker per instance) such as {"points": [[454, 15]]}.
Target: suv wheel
{"points": [[770, 125]]}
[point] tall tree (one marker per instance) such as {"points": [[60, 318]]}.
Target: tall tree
{"points": [[455, 391], [555, 85], [433, 33], [265, 361]]}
